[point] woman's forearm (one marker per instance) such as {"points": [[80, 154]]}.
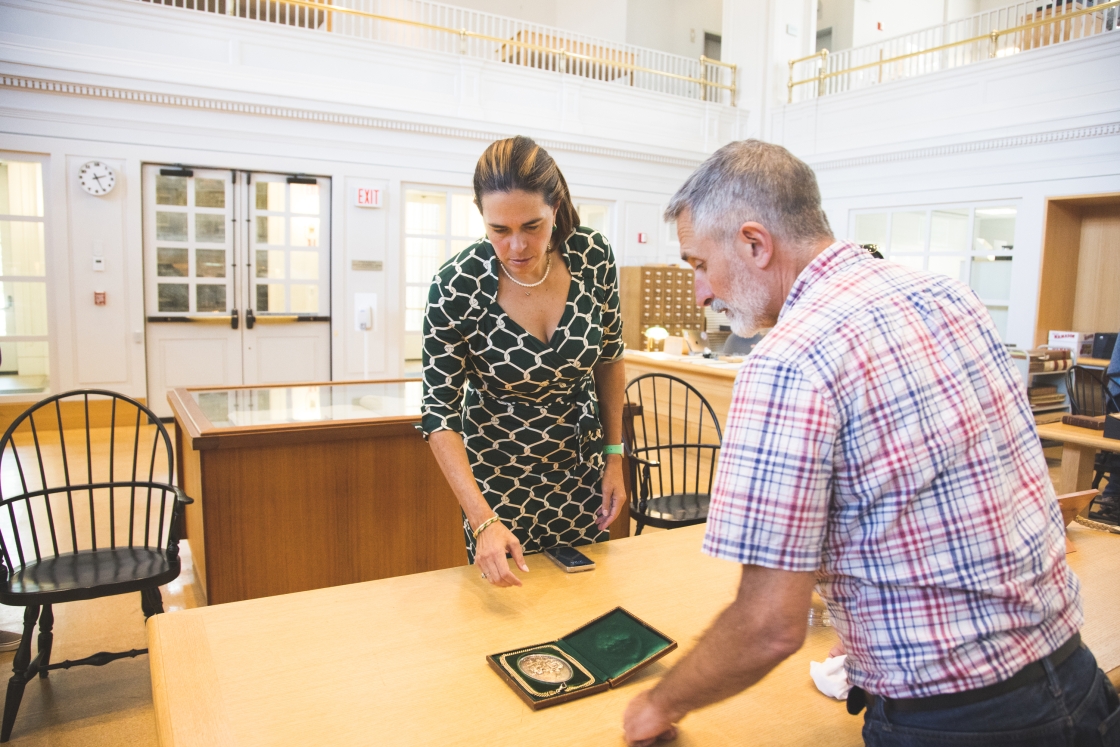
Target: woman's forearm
{"points": [[610, 384], [451, 455]]}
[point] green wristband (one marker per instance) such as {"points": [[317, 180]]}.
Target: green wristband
{"points": [[612, 448]]}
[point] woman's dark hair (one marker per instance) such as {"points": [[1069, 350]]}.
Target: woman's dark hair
{"points": [[517, 163]]}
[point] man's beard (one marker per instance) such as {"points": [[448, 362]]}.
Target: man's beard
{"points": [[745, 306]]}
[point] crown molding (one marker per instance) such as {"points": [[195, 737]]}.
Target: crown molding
{"points": [[975, 146], [84, 90]]}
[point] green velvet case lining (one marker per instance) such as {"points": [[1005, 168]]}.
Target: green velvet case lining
{"points": [[614, 644]]}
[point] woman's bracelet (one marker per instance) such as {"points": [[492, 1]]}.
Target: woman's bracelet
{"points": [[483, 525]]}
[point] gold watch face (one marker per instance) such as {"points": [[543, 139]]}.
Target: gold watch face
{"points": [[545, 668]]}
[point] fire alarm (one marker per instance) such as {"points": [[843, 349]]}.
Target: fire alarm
{"points": [[99, 298], [641, 238]]}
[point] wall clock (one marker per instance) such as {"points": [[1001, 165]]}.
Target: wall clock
{"points": [[97, 178]]}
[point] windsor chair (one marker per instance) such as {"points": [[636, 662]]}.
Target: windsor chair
{"points": [[77, 523], [672, 439]]}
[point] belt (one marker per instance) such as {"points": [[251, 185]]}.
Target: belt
{"points": [[858, 698]]}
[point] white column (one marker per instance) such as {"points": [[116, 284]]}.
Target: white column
{"points": [[761, 37]]}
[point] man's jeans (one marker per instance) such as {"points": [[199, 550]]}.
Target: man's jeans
{"points": [[1074, 705]]}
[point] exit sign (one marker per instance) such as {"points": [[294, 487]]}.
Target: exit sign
{"points": [[368, 197]]}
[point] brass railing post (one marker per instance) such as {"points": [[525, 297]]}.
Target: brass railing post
{"points": [[704, 77], [789, 84], [994, 36], [734, 82], [820, 72], [462, 41]]}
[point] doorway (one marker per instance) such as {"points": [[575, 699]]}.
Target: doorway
{"points": [[237, 278]]}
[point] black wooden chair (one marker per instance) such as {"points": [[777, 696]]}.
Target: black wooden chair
{"points": [[1089, 395], [1086, 390], [672, 439], [82, 524]]}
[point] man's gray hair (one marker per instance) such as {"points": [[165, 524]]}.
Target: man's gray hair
{"points": [[750, 180]]}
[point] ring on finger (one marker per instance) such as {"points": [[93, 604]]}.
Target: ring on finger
{"points": [[484, 574]]}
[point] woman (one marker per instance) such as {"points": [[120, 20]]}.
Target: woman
{"points": [[523, 377]]}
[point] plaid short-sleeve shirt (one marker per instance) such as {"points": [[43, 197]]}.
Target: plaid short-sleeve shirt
{"points": [[880, 436]]}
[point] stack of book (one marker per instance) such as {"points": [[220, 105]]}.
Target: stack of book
{"points": [[1049, 360], [1046, 398]]}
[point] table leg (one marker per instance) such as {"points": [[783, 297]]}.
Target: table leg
{"points": [[1077, 469]]}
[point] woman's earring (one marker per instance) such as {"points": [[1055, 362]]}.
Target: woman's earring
{"points": [[554, 228]]}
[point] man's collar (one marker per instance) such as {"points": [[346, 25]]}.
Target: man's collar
{"points": [[838, 255]]}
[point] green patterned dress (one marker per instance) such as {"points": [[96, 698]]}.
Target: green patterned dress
{"points": [[527, 410]]}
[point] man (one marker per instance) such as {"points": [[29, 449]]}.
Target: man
{"points": [[881, 446]]}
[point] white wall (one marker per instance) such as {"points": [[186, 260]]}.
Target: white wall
{"points": [[675, 26], [876, 20], [1013, 130], [605, 19]]}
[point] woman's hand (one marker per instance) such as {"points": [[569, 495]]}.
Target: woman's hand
{"points": [[490, 555], [614, 492]]}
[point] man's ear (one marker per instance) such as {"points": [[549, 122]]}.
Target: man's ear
{"points": [[758, 242]]}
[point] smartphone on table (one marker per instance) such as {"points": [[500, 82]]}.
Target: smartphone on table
{"points": [[569, 559]]}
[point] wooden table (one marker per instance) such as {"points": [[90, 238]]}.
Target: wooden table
{"points": [[1079, 449], [401, 661]]}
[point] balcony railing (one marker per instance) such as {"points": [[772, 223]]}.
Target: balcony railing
{"points": [[447, 29], [996, 33]]}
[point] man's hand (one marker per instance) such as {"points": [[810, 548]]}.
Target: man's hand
{"points": [[645, 723]]}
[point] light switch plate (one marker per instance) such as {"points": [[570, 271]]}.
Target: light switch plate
{"points": [[99, 264]]}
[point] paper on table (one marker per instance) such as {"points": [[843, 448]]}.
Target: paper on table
{"points": [[830, 678]]}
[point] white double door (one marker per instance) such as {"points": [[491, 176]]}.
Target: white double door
{"points": [[237, 279]]}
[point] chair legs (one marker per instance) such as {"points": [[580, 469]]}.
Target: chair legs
{"points": [[46, 639], [151, 601], [19, 678]]}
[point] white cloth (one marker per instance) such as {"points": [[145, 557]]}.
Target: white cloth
{"points": [[830, 678]]}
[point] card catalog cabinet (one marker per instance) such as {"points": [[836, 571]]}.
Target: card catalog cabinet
{"points": [[657, 295]]}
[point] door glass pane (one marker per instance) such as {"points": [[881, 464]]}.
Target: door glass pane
{"points": [[994, 229], [595, 216], [954, 267], [999, 318], [424, 211], [174, 297], [270, 263], [171, 190], [210, 229], [422, 259], [991, 277], [305, 231], [458, 245], [31, 360], [305, 298], [465, 218], [871, 228], [948, 231], [305, 266], [270, 298], [210, 263], [25, 308], [270, 196], [305, 198], [908, 232], [21, 188], [22, 250], [210, 193], [270, 229], [210, 297], [171, 226], [171, 263]]}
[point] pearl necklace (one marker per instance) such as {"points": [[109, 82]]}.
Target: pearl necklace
{"points": [[547, 268]]}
